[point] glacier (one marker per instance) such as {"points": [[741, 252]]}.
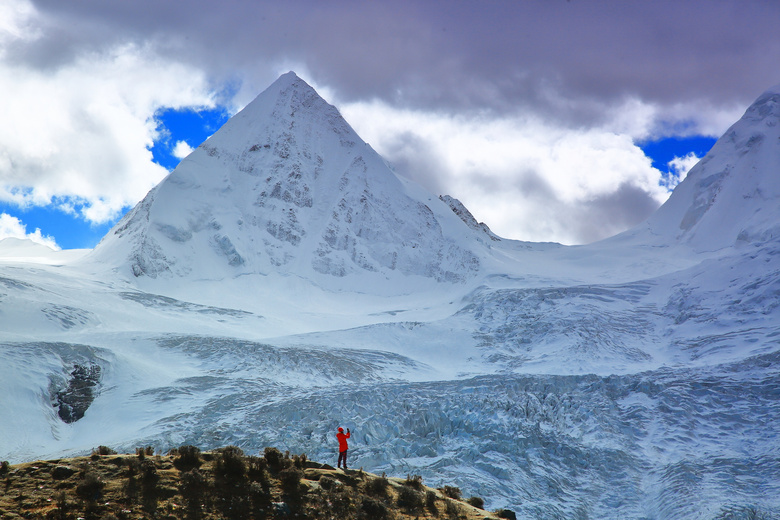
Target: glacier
{"points": [[283, 281]]}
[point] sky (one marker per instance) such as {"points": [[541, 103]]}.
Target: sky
{"points": [[555, 120]]}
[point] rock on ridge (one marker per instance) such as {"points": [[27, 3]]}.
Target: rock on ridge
{"points": [[465, 215]]}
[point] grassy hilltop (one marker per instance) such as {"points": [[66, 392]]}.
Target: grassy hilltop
{"points": [[224, 484]]}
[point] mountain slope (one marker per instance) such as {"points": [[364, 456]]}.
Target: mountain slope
{"points": [[287, 186], [732, 196]]}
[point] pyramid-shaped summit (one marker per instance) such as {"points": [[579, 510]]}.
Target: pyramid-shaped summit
{"points": [[287, 186]]}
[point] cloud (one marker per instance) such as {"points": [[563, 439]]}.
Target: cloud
{"points": [[525, 178], [80, 132], [501, 56], [181, 149], [526, 111], [679, 168], [12, 227], [15, 23]]}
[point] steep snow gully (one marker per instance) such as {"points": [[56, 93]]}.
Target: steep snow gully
{"points": [[284, 281]]}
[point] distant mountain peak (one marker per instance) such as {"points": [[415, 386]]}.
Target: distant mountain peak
{"points": [[287, 185], [733, 194]]}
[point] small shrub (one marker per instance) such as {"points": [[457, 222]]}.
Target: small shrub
{"points": [[149, 472], [131, 486], [193, 486], [452, 492], [377, 486], [3, 467], [90, 486], [61, 500], [133, 467], [261, 499], [274, 458], [338, 502], [290, 479], [372, 509], [193, 483], [103, 450], [299, 461], [187, 457], [477, 502], [230, 463], [506, 513], [257, 471], [144, 452], [409, 499], [414, 481], [454, 511], [230, 483], [430, 503]]}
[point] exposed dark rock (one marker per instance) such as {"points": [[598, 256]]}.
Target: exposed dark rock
{"points": [[76, 398]]}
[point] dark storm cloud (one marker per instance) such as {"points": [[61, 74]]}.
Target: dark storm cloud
{"points": [[414, 158], [612, 213], [467, 54]]}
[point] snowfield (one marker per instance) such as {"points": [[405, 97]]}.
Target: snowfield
{"points": [[284, 281]]}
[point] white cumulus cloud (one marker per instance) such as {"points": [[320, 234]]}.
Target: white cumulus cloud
{"points": [[12, 227], [77, 134], [679, 168], [526, 178], [182, 149]]}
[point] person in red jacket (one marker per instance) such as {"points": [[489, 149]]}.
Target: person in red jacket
{"points": [[343, 447]]}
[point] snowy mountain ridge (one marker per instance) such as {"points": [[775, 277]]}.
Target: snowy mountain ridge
{"points": [[264, 295]]}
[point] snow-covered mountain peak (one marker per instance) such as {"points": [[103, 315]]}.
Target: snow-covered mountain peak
{"points": [[286, 186], [288, 107], [732, 195]]}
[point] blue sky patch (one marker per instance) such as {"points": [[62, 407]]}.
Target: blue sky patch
{"points": [[71, 231], [190, 126], [664, 150]]}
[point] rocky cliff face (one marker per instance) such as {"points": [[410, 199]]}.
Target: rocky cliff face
{"points": [[72, 402]]}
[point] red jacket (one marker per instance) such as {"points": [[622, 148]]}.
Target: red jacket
{"points": [[342, 437]]}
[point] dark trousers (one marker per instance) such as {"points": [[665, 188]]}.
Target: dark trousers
{"points": [[342, 456]]}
